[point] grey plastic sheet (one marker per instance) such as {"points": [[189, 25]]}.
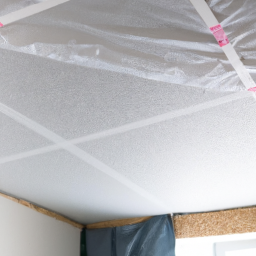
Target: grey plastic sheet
{"points": [[154, 237], [162, 40]]}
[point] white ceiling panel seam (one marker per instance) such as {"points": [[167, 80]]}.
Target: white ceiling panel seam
{"points": [[26, 154], [125, 128], [207, 15], [81, 154], [29, 11]]}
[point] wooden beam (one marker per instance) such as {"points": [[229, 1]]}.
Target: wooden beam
{"points": [[236, 221], [44, 211]]}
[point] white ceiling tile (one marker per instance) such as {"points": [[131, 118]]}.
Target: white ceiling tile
{"points": [[74, 101], [201, 162], [15, 138], [62, 183], [204, 161]]}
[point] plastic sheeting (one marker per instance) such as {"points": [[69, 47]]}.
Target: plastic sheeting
{"points": [[154, 237], [162, 40]]}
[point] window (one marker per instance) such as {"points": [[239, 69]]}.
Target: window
{"points": [[226, 245], [246, 252], [236, 248]]}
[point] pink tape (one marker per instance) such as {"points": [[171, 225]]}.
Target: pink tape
{"points": [[220, 35], [253, 89], [1, 25]]}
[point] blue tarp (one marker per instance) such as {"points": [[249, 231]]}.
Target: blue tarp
{"points": [[154, 237]]}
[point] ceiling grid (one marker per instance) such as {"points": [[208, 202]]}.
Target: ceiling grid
{"points": [[116, 114]]}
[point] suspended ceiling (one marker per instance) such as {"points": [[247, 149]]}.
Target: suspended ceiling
{"points": [[112, 109]]}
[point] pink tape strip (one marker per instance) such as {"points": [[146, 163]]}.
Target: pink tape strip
{"points": [[220, 35], [1, 25], [253, 89]]}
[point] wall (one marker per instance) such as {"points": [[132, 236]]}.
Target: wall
{"points": [[25, 232], [204, 246]]}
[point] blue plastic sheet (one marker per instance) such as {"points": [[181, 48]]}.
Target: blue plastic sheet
{"points": [[154, 237]]}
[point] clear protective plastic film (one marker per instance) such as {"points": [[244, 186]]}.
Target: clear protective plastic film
{"points": [[159, 40]]}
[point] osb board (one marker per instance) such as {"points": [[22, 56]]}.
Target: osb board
{"points": [[43, 211], [215, 223], [235, 221], [117, 223]]}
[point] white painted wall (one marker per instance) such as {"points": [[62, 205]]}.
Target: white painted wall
{"points": [[204, 246], [25, 232]]}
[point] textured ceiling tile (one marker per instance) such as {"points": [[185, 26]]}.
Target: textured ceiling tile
{"points": [[74, 101], [60, 182], [15, 138], [205, 161]]}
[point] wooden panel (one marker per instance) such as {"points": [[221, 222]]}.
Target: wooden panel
{"points": [[235, 221], [227, 222], [117, 223]]}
